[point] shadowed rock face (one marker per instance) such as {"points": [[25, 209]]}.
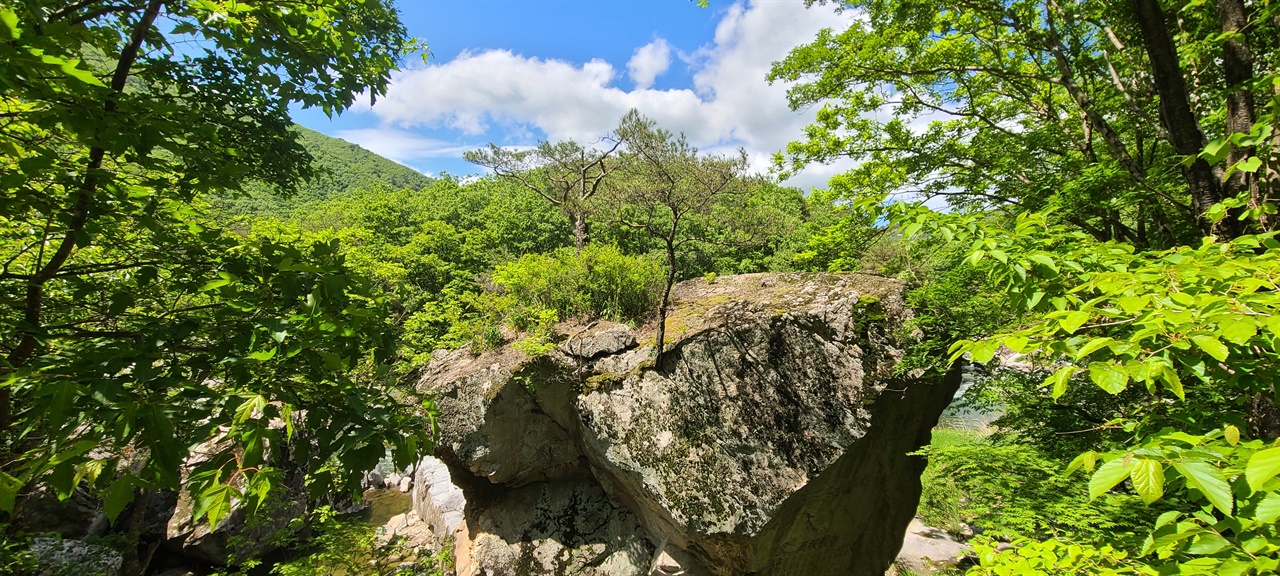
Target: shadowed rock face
{"points": [[772, 440]]}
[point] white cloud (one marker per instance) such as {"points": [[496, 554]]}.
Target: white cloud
{"points": [[401, 145], [729, 105], [649, 62]]}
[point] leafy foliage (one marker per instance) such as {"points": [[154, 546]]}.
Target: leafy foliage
{"points": [[345, 547], [598, 282], [132, 328], [1010, 490], [1107, 139], [425, 249]]}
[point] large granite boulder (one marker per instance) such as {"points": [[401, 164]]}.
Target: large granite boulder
{"points": [[492, 424], [773, 438]]}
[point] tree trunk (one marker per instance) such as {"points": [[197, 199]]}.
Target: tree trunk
{"points": [[580, 233], [1264, 416], [666, 299], [1176, 114], [135, 559], [1237, 70]]}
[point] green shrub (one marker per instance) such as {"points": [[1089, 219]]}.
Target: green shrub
{"points": [[1011, 490], [599, 282], [340, 547]]}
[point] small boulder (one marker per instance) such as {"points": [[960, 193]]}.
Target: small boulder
{"points": [[406, 483], [600, 339], [926, 549], [373, 480], [436, 499]]}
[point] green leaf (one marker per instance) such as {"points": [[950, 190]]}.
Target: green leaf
{"points": [[1249, 165], [1108, 376], [215, 284], [1087, 461], [119, 495], [246, 409], [1263, 466], [215, 503], [1060, 380], [1209, 481], [1044, 260], [1073, 320], [1093, 346], [1148, 479], [1238, 330], [9, 487], [1172, 381], [69, 68], [10, 21], [1212, 346], [1208, 543], [1268, 510], [1215, 151], [1016, 343], [1231, 434], [264, 355], [1108, 475], [1134, 304], [983, 351]]}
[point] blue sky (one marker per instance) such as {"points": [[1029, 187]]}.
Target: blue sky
{"points": [[513, 72]]}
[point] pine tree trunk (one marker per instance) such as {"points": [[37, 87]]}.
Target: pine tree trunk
{"points": [[666, 299], [580, 233]]}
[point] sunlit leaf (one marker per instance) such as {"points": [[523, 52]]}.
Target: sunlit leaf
{"points": [[1108, 376], [1209, 481], [1262, 466], [1212, 346], [1148, 479], [1073, 320], [1108, 475]]}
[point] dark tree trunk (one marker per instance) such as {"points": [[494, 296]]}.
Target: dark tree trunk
{"points": [[1237, 70], [1176, 114], [666, 299], [1264, 416]]}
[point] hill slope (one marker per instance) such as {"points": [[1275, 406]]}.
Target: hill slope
{"points": [[344, 167]]}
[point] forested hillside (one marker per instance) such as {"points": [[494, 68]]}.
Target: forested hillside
{"points": [[343, 167]]}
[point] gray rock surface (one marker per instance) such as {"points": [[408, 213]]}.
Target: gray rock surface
{"points": [[773, 439], [926, 549], [565, 528], [491, 423], [436, 499], [74, 558], [373, 481], [599, 339]]}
